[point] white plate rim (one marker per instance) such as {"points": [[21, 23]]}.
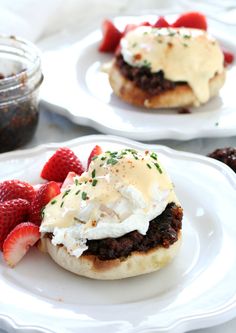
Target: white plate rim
{"points": [[217, 317]]}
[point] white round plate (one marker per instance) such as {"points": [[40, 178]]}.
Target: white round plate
{"points": [[196, 290], [75, 87]]}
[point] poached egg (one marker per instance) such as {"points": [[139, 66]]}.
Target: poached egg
{"points": [[183, 54], [122, 191]]}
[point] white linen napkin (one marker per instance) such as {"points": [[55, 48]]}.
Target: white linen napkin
{"points": [[34, 19], [27, 18]]}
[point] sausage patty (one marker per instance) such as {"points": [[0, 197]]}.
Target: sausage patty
{"points": [[143, 78], [163, 231]]}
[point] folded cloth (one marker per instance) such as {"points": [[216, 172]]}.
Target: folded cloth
{"points": [[27, 18], [34, 19]]}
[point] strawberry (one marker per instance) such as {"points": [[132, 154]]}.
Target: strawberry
{"points": [[191, 20], [145, 24], [15, 189], [161, 23], [42, 197], [18, 241], [61, 162], [111, 37], [12, 212], [97, 150], [69, 180], [129, 27], [228, 57]]}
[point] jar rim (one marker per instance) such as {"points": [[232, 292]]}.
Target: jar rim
{"points": [[26, 46], [25, 79]]}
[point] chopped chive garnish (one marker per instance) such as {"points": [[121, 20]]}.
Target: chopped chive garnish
{"points": [[93, 173], [84, 195], [112, 161], [94, 157], [53, 202], [149, 166], [62, 203], [76, 182], [42, 212], [146, 63], [158, 167], [103, 158], [94, 182], [65, 194], [154, 156], [185, 45], [187, 36], [76, 193]]}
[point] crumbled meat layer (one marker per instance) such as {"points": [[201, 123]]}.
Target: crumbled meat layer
{"points": [[143, 78], [163, 231], [225, 155]]}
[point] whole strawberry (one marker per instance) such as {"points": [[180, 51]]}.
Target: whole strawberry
{"points": [[12, 212], [42, 197], [15, 189], [60, 164]]}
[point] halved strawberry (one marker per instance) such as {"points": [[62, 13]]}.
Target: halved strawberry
{"points": [[45, 194], [60, 164], [18, 242], [12, 212], [15, 189], [111, 37], [228, 57], [161, 23], [191, 20], [97, 150], [69, 180]]}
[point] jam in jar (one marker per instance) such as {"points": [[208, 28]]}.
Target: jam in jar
{"points": [[20, 79]]}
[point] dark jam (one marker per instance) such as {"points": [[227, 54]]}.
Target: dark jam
{"points": [[18, 118], [226, 155]]}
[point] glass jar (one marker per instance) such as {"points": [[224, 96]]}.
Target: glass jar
{"points": [[20, 79]]}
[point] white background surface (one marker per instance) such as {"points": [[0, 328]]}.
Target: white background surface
{"points": [[54, 128]]}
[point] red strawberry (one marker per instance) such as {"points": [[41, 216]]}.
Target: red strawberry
{"points": [[191, 20], [97, 150], [111, 37], [15, 189], [60, 164], [228, 57], [145, 24], [18, 241], [128, 28], [161, 23], [12, 212], [45, 193]]}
